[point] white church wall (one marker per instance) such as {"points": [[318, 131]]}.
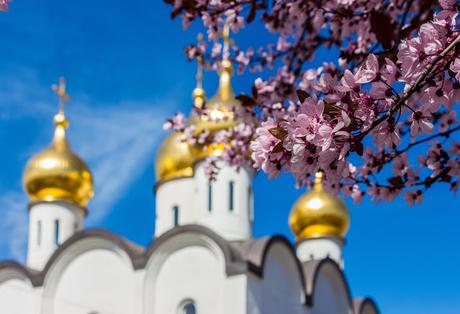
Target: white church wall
{"points": [[50, 224], [191, 268], [330, 293], [92, 276], [180, 193], [280, 289], [321, 248], [17, 296], [231, 219]]}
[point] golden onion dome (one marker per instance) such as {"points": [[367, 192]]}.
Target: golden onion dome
{"points": [[219, 110], [219, 113], [174, 159], [57, 173], [318, 213]]}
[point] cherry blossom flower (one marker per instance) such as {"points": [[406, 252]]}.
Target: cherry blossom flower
{"points": [[420, 123], [358, 116], [175, 123], [4, 5], [413, 197]]}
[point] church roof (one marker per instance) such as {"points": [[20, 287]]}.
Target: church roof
{"points": [[241, 257]]}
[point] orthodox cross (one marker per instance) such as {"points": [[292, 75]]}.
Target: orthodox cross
{"points": [[60, 90], [226, 38]]}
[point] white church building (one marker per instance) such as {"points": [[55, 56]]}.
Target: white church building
{"points": [[203, 258]]}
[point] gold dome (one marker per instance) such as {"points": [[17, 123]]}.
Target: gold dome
{"points": [[219, 113], [318, 213], [174, 159], [57, 173], [220, 108]]}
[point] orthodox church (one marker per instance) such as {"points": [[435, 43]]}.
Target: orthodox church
{"points": [[203, 258]]}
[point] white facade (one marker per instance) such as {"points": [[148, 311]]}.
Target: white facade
{"points": [[224, 205], [321, 248], [50, 224], [98, 272], [203, 260]]}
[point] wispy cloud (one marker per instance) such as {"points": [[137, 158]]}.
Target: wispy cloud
{"points": [[118, 143], [14, 224], [117, 140]]}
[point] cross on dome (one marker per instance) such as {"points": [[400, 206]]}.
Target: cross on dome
{"points": [[226, 38], [60, 90]]}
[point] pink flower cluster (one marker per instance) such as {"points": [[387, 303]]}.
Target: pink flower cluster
{"points": [[4, 5], [394, 90]]}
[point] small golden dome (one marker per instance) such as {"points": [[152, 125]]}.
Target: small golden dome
{"points": [[220, 108], [318, 213], [174, 159], [57, 173]]}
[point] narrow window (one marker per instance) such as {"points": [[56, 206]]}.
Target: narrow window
{"points": [[176, 215], [249, 205], [189, 308], [56, 232], [209, 196], [39, 233], [231, 196]]}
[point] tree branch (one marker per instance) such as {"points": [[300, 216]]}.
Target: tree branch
{"points": [[414, 87]]}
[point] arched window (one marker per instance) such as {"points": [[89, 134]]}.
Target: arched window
{"points": [[188, 308], [176, 215]]}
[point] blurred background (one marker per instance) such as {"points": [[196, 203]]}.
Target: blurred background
{"points": [[126, 73]]}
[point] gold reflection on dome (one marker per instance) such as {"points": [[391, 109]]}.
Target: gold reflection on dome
{"points": [[318, 213], [176, 158], [219, 113], [219, 110], [57, 173]]}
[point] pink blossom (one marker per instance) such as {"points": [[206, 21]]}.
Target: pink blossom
{"points": [[447, 120], [362, 105], [413, 197], [420, 123], [369, 71], [348, 82], [455, 67], [448, 4], [176, 123], [4, 5]]}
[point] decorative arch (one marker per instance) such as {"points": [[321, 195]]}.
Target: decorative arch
{"points": [[365, 306], [182, 237], [77, 245], [313, 269], [14, 270]]}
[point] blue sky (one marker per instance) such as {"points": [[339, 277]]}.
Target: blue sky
{"points": [[126, 72]]}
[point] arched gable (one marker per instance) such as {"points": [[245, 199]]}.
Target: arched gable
{"points": [[17, 291], [365, 306], [192, 261], [326, 287], [88, 272], [273, 260], [13, 270]]}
